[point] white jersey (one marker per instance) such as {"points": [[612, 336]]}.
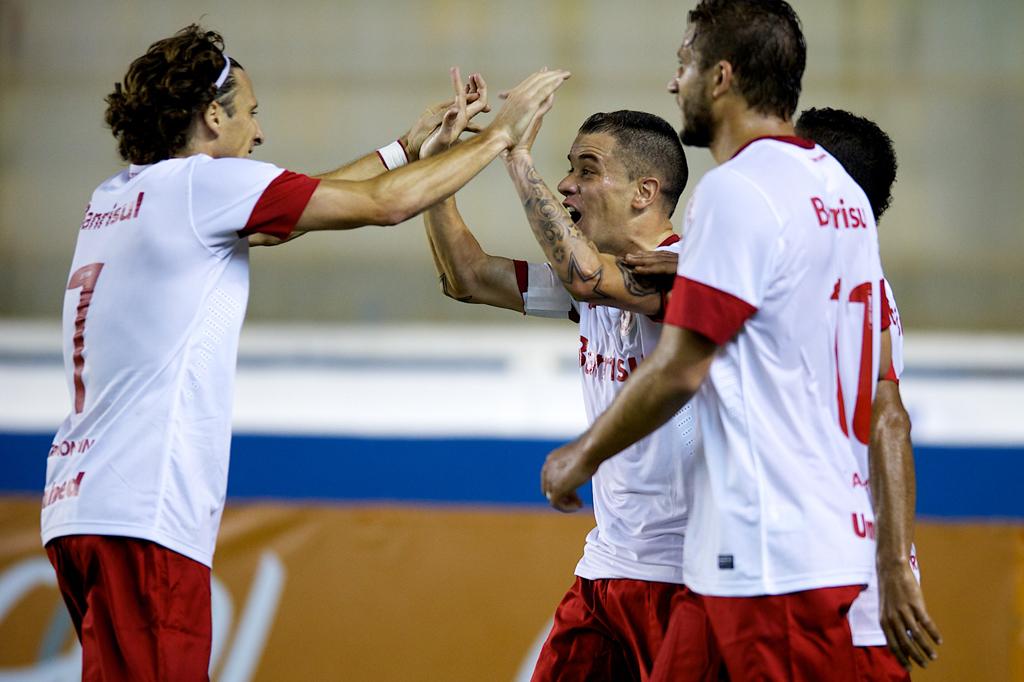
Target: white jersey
{"points": [[864, 614], [640, 496], [152, 312], [772, 237]]}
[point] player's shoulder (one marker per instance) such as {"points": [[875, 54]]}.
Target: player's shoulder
{"points": [[732, 188], [115, 181], [230, 175], [230, 166]]}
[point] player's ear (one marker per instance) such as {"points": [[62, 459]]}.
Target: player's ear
{"points": [[647, 191], [212, 117], [722, 78]]}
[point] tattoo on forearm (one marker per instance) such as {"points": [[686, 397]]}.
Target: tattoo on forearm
{"points": [[594, 278], [633, 284], [446, 290], [555, 231]]}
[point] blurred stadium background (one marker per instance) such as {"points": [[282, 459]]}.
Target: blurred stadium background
{"points": [[383, 518]]}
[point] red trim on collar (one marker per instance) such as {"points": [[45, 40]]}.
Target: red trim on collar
{"points": [[669, 240], [789, 139]]}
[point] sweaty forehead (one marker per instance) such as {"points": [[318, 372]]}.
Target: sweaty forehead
{"points": [[593, 145]]}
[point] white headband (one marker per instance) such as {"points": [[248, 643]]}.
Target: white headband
{"points": [[223, 74]]}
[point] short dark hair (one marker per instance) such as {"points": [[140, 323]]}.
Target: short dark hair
{"points": [[151, 111], [864, 150], [649, 146], [763, 41]]}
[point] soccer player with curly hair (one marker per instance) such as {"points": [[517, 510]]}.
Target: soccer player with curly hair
{"points": [[137, 476]]}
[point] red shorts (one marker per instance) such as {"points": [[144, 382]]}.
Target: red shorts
{"points": [[878, 664], [797, 636], [141, 611], [689, 652], [608, 630]]}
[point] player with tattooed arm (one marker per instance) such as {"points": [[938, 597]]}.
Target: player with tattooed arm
{"points": [[771, 325], [626, 172]]}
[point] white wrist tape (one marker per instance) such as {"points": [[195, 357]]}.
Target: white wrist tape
{"points": [[393, 155]]}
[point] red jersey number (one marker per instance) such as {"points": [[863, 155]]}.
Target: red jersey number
{"points": [[862, 406], [83, 278]]}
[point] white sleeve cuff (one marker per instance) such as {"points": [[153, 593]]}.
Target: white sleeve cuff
{"points": [[545, 295]]}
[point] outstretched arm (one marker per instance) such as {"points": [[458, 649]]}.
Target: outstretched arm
{"points": [[663, 383], [371, 165], [394, 197], [909, 631], [465, 272]]}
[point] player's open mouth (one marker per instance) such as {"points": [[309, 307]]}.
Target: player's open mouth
{"points": [[574, 214]]}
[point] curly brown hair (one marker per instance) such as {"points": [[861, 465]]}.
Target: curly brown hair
{"points": [[151, 111]]}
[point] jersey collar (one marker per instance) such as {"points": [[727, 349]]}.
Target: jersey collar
{"points": [[788, 139]]}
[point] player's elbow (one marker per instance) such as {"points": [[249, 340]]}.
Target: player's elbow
{"points": [[687, 380], [583, 291], [682, 359], [459, 284], [391, 208], [455, 289], [394, 214], [580, 294], [893, 420], [585, 288]]}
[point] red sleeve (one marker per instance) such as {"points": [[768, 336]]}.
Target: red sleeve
{"points": [[891, 374], [706, 310], [886, 308], [659, 317], [522, 275], [281, 205]]}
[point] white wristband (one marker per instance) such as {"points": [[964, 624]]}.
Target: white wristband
{"points": [[393, 155]]}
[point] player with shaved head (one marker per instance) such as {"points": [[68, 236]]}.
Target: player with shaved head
{"points": [[626, 172]]}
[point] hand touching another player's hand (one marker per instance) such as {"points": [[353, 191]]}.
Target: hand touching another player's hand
{"points": [[565, 470], [909, 631], [525, 102], [524, 148], [656, 269], [457, 118], [432, 116]]}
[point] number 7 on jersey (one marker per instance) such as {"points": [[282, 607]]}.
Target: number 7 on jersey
{"points": [[83, 278]]}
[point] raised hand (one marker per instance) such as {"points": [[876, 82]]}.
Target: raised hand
{"points": [[457, 118], [524, 148], [431, 118], [524, 102]]}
